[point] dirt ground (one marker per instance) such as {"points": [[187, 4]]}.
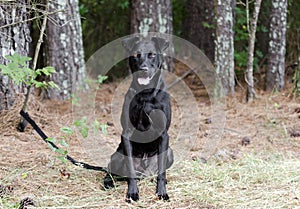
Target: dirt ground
{"points": [[267, 129]]}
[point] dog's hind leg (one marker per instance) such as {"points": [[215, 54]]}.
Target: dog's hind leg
{"points": [[110, 180]]}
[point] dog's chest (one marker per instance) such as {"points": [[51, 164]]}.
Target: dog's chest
{"points": [[140, 110]]}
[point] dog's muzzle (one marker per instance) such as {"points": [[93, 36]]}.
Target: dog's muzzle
{"points": [[144, 77]]}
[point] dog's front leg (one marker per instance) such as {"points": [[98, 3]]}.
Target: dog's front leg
{"points": [[132, 192], [162, 163], [128, 129]]}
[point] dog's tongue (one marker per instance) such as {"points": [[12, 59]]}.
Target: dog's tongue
{"points": [[144, 81]]}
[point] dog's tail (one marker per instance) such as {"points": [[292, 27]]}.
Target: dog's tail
{"points": [[45, 137]]}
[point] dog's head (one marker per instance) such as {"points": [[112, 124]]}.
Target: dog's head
{"points": [[145, 57]]}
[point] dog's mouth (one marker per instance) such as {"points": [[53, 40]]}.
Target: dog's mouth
{"points": [[144, 79]]}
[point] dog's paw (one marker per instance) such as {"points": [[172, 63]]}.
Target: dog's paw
{"points": [[162, 193], [164, 196], [108, 182], [132, 196]]}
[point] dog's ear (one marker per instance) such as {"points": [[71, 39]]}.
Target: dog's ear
{"points": [[128, 43], [161, 43]]}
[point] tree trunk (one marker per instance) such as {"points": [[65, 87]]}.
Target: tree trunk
{"points": [[199, 25], [65, 49], [224, 47], [252, 31], [14, 38], [277, 46], [153, 16]]}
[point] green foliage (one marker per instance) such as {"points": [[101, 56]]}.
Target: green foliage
{"points": [[67, 130], [104, 128], [207, 25], [179, 14], [83, 10], [241, 58], [90, 82], [96, 126], [123, 4], [75, 99], [82, 125], [83, 128], [62, 153], [24, 175], [19, 72], [240, 30], [241, 37], [103, 21], [101, 79], [293, 32]]}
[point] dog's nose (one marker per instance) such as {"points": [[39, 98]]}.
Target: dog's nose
{"points": [[144, 67]]}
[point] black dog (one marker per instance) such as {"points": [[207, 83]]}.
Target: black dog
{"points": [[146, 117]]}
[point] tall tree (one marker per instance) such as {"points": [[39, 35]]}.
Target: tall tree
{"points": [[277, 45], [14, 38], [224, 45], [65, 49], [199, 25], [153, 16], [251, 43]]}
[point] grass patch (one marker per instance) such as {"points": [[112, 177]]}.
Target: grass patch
{"points": [[251, 182]]}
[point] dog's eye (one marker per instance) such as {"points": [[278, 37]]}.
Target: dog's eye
{"points": [[151, 55], [137, 55]]}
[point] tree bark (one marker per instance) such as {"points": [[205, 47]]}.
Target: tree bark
{"points": [[224, 45], [277, 46], [65, 49], [199, 25], [14, 38], [249, 72], [153, 16]]}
